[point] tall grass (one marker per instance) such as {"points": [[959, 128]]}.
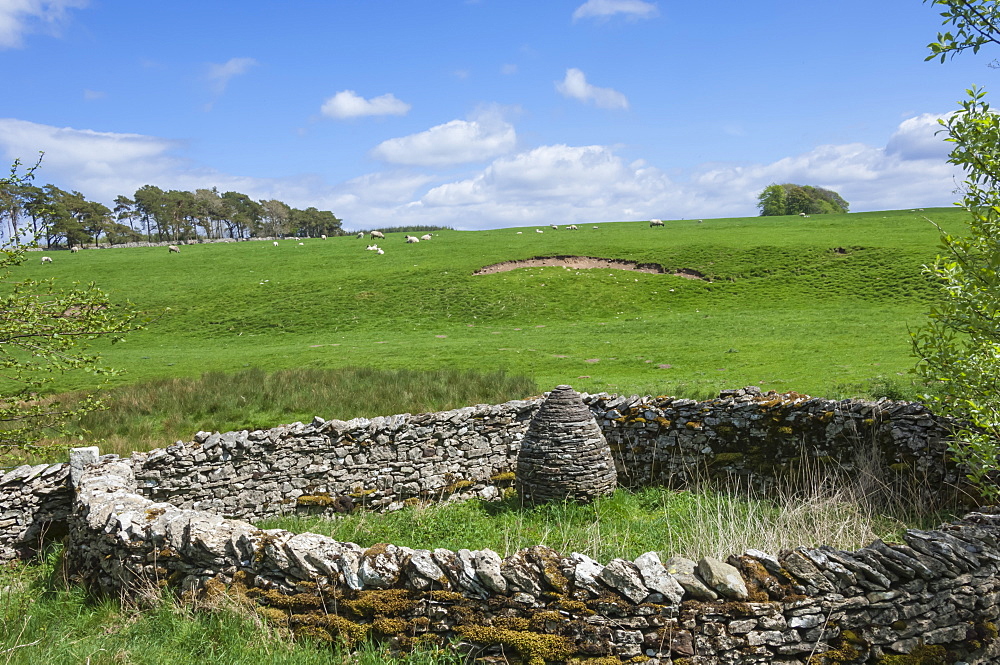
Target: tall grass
{"points": [[843, 508]]}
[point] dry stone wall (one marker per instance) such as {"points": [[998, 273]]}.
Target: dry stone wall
{"points": [[34, 504], [742, 436], [163, 519], [934, 599]]}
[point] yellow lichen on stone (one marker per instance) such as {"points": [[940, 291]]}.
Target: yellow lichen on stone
{"points": [[317, 499], [386, 603], [923, 655], [533, 648]]}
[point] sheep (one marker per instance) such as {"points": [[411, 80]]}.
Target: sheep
{"points": [[572, 227], [802, 214], [426, 236], [173, 249], [46, 259], [371, 248], [380, 251], [361, 234], [519, 233], [655, 222], [412, 239], [554, 226], [539, 231], [595, 228], [322, 237], [74, 249], [275, 243], [302, 244], [377, 234]]}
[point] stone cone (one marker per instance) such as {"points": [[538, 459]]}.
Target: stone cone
{"points": [[564, 454]]}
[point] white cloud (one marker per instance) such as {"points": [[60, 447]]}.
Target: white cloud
{"points": [[606, 8], [219, 75], [575, 86], [572, 184], [454, 142], [349, 104], [20, 17]]}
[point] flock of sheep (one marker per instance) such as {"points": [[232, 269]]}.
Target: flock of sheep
{"points": [[378, 234]]}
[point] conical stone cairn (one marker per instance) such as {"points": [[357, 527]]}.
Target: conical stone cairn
{"points": [[564, 454]]}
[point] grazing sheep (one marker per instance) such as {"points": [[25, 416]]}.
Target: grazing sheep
{"points": [[426, 236], [322, 237], [554, 226], [46, 259], [171, 249], [275, 243], [361, 234], [655, 222], [74, 249], [572, 227], [595, 227], [377, 234], [802, 214]]}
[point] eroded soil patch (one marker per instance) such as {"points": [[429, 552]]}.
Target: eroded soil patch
{"points": [[584, 262]]}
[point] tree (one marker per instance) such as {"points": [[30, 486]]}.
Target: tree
{"points": [[772, 201], [789, 199], [976, 23], [275, 218], [44, 331], [242, 213], [958, 349], [312, 222]]}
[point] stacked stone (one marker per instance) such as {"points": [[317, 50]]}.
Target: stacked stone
{"points": [[379, 463], [936, 597], [564, 454], [666, 441], [34, 503]]}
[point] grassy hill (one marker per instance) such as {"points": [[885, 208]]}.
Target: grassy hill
{"points": [[818, 305]]}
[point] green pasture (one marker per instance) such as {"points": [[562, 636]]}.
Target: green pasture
{"points": [[818, 305]]}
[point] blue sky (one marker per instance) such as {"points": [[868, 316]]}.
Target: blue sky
{"points": [[485, 113]]}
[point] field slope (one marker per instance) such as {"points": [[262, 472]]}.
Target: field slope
{"points": [[818, 305]]}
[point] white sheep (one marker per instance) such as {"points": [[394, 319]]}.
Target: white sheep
{"points": [[802, 214], [46, 259], [302, 244], [372, 248], [74, 249], [380, 251], [655, 222], [377, 234], [595, 227], [322, 237], [539, 231], [412, 239], [572, 227], [361, 234], [554, 226], [275, 243], [171, 249], [519, 233], [426, 236]]}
